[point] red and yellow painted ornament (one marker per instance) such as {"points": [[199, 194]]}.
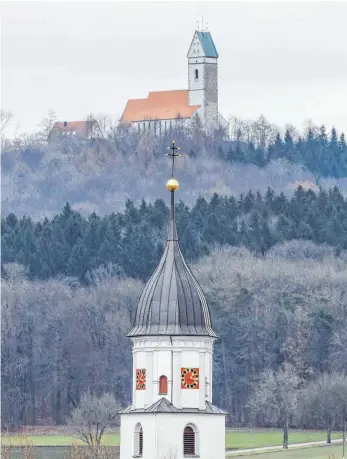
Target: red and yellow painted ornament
{"points": [[141, 379], [189, 378]]}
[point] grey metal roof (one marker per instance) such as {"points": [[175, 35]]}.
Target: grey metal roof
{"points": [[164, 406], [172, 302]]}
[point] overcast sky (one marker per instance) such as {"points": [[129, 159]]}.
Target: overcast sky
{"points": [[287, 61]]}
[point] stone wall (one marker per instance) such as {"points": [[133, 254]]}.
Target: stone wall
{"points": [[211, 94]]}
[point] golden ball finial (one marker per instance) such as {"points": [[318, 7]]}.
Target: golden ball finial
{"points": [[172, 185]]}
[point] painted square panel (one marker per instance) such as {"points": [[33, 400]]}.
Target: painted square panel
{"points": [[141, 379], [189, 378]]}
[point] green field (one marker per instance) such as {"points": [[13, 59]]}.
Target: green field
{"points": [[235, 439], [243, 439], [323, 452]]}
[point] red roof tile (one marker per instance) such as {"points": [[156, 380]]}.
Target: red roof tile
{"points": [[162, 105], [78, 127]]}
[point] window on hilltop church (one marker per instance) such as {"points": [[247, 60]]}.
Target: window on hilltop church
{"points": [[138, 441], [190, 441], [162, 385], [196, 74]]}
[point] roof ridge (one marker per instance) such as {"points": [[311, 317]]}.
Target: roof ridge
{"points": [[168, 90]]}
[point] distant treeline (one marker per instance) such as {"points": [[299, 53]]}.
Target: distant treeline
{"points": [[322, 154], [132, 241], [100, 173]]}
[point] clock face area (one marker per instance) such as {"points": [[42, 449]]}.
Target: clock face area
{"points": [[141, 379], [189, 378]]}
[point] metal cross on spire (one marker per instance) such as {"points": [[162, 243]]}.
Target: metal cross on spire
{"points": [[173, 155]]}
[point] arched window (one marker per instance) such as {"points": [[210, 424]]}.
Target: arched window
{"points": [[190, 441], [163, 385], [138, 441], [196, 74]]}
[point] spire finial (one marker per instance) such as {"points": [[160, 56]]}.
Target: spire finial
{"points": [[173, 155], [172, 185]]}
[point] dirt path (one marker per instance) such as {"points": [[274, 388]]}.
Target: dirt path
{"points": [[279, 448]]}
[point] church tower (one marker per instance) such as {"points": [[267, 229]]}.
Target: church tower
{"points": [[171, 415], [203, 76]]}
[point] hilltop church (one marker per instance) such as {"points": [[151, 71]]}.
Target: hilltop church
{"points": [[161, 110]]}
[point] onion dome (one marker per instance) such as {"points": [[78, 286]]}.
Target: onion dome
{"points": [[172, 302]]}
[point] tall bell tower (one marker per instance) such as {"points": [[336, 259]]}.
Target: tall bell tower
{"points": [[203, 76], [172, 415]]}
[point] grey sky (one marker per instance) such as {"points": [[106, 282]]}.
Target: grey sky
{"points": [[285, 60]]}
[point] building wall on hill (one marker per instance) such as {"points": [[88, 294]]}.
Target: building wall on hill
{"points": [[160, 127], [200, 88], [211, 94], [196, 86]]}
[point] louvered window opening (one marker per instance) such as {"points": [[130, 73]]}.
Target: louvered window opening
{"points": [[140, 442], [189, 442]]}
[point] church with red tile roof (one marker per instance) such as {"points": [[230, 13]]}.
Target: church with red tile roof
{"points": [[160, 110]]}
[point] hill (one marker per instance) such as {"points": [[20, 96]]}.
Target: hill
{"points": [[101, 174]]}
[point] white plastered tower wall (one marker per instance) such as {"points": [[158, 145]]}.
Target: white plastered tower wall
{"points": [[165, 356], [163, 435], [163, 432], [203, 80]]}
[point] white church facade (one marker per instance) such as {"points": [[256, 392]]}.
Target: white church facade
{"points": [[172, 415], [162, 110]]}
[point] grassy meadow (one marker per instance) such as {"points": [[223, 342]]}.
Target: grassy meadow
{"points": [[235, 439]]}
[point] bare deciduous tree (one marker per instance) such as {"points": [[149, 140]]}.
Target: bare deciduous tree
{"points": [[92, 416], [5, 118], [339, 352], [275, 398], [26, 450], [47, 124], [323, 400]]}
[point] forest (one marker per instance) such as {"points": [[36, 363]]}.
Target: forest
{"points": [[113, 165], [273, 269], [132, 241], [288, 307], [84, 225]]}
